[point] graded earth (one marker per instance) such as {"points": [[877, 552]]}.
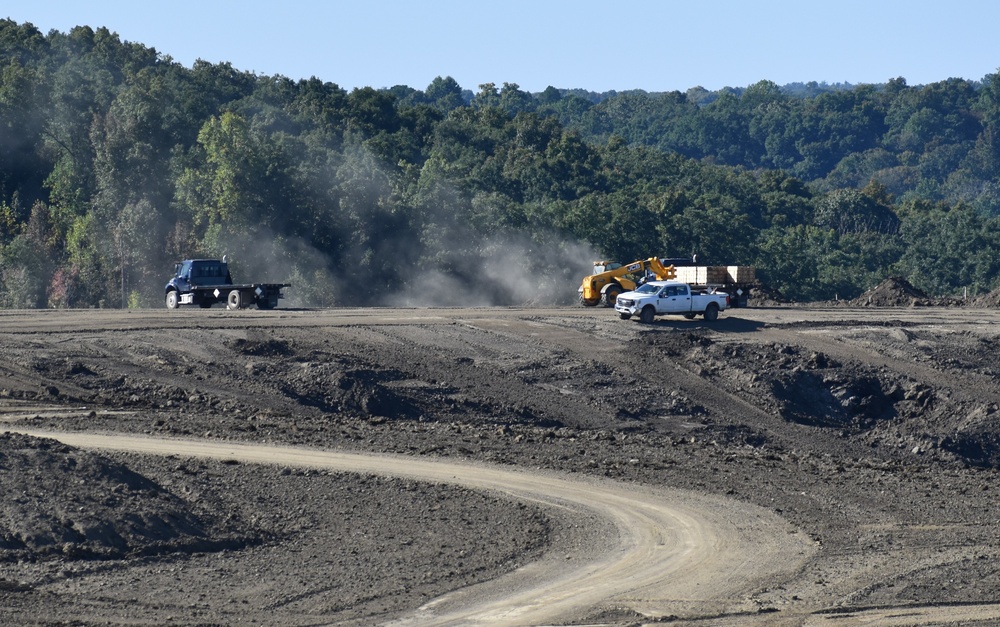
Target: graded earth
{"points": [[793, 465]]}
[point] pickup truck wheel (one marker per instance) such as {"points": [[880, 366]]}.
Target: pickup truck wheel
{"points": [[625, 316], [689, 316], [712, 312], [235, 300], [647, 314], [172, 299]]}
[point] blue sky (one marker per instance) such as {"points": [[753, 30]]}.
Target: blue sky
{"points": [[594, 45]]}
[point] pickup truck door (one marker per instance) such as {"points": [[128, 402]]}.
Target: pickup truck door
{"points": [[674, 299]]}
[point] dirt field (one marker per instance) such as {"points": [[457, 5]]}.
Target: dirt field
{"points": [[783, 465]]}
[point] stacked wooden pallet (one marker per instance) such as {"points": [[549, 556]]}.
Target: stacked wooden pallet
{"points": [[716, 275]]}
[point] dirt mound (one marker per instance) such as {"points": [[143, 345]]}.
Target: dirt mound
{"points": [[987, 300], [64, 502], [765, 296], [805, 387], [345, 387], [893, 292], [262, 348]]}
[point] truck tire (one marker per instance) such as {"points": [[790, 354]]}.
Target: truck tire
{"points": [[647, 315], [711, 312], [172, 301], [588, 303], [234, 300], [610, 294]]}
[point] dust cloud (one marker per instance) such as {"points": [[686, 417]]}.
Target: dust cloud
{"points": [[513, 270], [426, 255]]}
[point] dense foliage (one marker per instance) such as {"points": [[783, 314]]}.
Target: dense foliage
{"points": [[115, 161]]}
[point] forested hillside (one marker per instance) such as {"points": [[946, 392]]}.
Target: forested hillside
{"points": [[116, 161]]}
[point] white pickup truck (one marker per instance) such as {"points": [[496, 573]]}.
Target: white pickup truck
{"points": [[669, 297]]}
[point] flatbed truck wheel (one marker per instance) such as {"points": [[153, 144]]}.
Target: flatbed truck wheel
{"points": [[171, 299], [235, 300]]}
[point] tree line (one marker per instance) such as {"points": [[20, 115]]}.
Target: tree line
{"points": [[116, 161]]}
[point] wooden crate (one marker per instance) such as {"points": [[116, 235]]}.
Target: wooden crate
{"points": [[694, 275], [716, 275], [742, 274]]}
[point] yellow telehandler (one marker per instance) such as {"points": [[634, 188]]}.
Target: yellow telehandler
{"points": [[611, 279]]}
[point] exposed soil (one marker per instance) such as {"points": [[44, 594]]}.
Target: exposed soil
{"points": [[870, 429], [896, 291], [893, 292]]}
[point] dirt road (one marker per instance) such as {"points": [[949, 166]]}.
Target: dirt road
{"points": [[673, 553], [797, 465]]}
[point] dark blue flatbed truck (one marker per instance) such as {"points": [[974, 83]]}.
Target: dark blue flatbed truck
{"points": [[205, 282]]}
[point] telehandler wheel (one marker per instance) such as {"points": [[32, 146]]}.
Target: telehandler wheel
{"points": [[647, 315], [625, 316], [235, 300], [711, 312], [610, 295], [587, 303], [172, 301]]}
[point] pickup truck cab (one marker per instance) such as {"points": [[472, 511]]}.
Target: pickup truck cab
{"points": [[669, 297]]}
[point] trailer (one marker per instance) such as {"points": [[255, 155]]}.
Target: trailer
{"points": [[733, 280], [205, 282]]}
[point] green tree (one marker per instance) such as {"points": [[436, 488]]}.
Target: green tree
{"points": [[791, 260], [949, 249], [852, 211], [445, 94]]}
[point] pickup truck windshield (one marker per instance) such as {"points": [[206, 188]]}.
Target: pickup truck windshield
{"points": [[647, 288]]}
